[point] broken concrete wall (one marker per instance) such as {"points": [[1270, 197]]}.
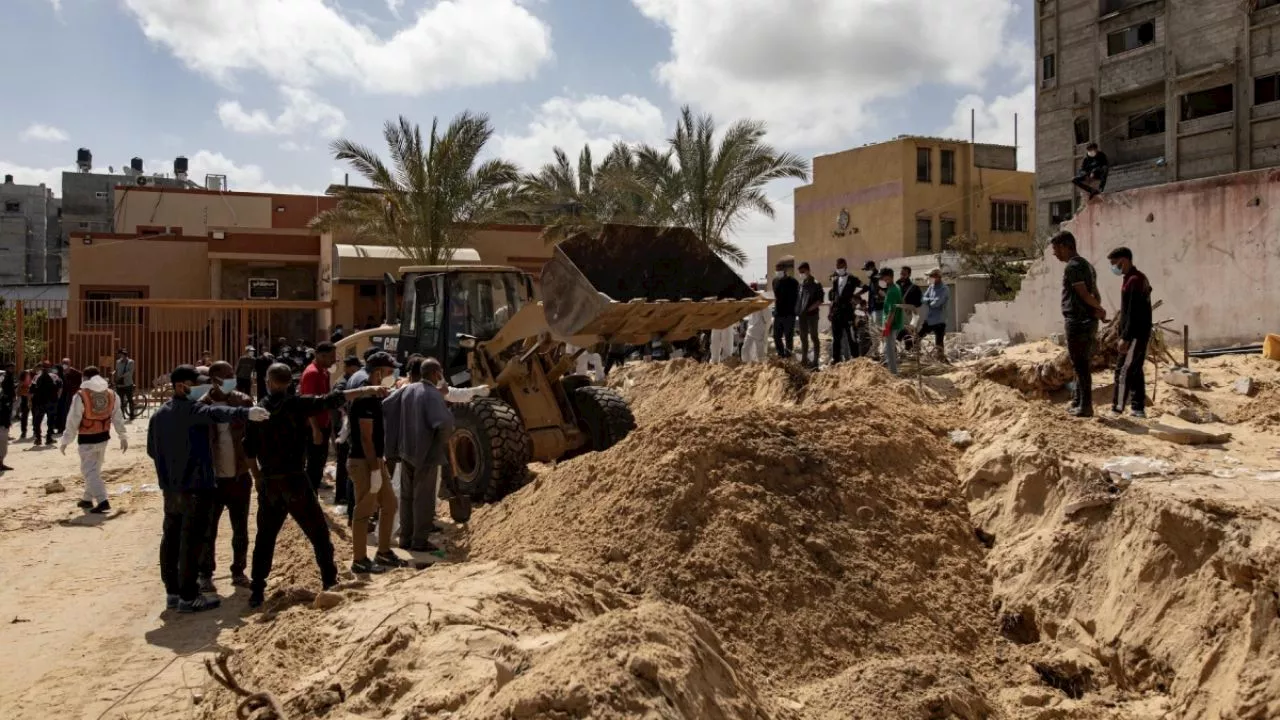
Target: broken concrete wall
{"points": [[1211, 248]]}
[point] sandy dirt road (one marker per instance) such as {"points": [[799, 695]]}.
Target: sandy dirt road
{"points": [[82, 618]]}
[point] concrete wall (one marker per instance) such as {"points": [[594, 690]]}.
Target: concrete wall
{"points": [[26, 233], [195, 211], [1210, 247]]}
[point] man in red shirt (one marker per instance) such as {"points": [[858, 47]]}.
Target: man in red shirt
{"points": [[315, 381]]}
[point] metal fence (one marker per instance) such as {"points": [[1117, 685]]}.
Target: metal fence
{"points": [[159, 335]]}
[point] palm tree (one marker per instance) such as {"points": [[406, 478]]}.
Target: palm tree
{"points": [[431, 198], [568, 200], [711, 188]]}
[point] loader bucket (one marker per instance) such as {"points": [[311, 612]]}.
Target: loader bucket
{"points": [[630, 284]]}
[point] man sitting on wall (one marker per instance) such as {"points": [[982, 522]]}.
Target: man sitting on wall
{"points": [[1093, 170]]}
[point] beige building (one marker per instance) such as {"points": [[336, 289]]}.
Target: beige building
{"points": [[908, 197]]}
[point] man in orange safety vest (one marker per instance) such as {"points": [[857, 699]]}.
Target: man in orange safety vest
{"points": [[94, 410]]}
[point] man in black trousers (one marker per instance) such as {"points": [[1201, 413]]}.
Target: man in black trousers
{"points": [[279, 447], [786, 291], [1082, 310], [1135, 334], [843, 287]]}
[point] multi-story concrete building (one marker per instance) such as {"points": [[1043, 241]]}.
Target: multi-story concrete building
{"points": [[88, 198], [31, 239], [908, 197], [1169, 89]]}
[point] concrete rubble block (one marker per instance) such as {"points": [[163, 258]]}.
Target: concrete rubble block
{"points": [[1187, 436], [1243, 386], [1199, 416], [53, 486], [1183, 378]]}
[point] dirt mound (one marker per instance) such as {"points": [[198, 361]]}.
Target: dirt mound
{"points": [[489, 640], [810, 535], [1157, 587], [931, 686]]}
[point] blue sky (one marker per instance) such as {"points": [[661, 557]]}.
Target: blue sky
{"points": [[256, 89]]}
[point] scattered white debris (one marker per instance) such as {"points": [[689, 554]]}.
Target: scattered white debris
{"points": [[1243, 386], [961, 438], [1131, 466], [1269, 476], [149, 488], [123, 490]]}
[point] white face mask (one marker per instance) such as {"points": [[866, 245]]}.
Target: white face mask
{"points": [[1093, 153], [804, 276], [779, 274], [389, 381], [842, 271], [884, 283]]}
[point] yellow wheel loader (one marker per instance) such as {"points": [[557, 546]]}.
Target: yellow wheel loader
{"points": [[622, 285]]}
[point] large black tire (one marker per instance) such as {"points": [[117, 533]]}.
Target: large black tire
{"points": [[603, 415], [460, 508], [492, 448]]}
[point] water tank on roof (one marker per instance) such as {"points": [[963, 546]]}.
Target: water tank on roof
{"points": [[8, 179], [84, 159], [136, 165], [180, 167]]}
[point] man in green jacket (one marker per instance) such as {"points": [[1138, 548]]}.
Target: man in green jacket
{"points": [[893, 318]]}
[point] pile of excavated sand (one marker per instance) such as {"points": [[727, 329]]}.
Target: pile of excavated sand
{"points": [[813, 524]]}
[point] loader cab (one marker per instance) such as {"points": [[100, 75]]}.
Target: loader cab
{"points": [[444, 305]]}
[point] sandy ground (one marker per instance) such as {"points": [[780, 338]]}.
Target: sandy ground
{"points": [[1142, 598]]}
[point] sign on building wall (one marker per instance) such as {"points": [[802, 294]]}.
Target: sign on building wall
{"points": [[264, 289]]}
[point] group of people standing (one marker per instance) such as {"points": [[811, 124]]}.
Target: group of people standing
{"points": [[212, 445], [883, 308], [1083, 312]]}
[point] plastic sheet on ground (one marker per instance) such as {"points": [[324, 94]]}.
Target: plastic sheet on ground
{"points": [[1136, 466]]}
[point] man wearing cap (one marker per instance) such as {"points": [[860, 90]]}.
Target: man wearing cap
{"points": [[124, 382], [279, 446], [934, 303], [808, 302], [233, 470], [369, 477], [178, 442], [94, 411]]}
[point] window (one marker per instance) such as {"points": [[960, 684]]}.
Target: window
{"points": [[1131, 38], [1265, 4], [1266, 88], [948, 231], [1213, 101], [924, 234], [100, 195], [948, 167], [368, 290], [83, 225], [924, 165], [1150, 122], [12, 206], [102, 307], [1059, 212], [1082, 130], [1008, 217], [1049, 68]]}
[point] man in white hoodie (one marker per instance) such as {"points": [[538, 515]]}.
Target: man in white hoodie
{"points": [[756, 338], [95, 409]]}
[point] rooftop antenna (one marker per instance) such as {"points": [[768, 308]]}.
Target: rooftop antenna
{"points": [[973, 126]]}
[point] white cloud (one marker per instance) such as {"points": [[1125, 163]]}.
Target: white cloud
{"points": [[22, 175], [303, 110], [570, 123], [994, 120], [247, 178], [299, 43], [43, 133], [810, 70], [57, 6]]}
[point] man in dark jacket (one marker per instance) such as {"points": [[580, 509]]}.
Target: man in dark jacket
{"points": [[1093, 169], [912, 300], [279, 446], [843, 287], [71, 379], [1135, 334], [45, 391], [808, 302], [178, 442], [786, 291]]}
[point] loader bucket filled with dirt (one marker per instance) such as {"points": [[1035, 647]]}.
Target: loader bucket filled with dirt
{"points": [[629, 284]]}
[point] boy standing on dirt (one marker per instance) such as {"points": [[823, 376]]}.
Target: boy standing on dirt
{"points": [[1135, 333], [94, 410], [178, 442], [279, 446], [234, 482]]}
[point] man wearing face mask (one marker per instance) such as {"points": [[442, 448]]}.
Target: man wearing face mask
{"points": [[786, 291], [1135, 334], [232, 471], [1094, 168], [279, 447], [178, 441], [369, 477], [894, 322], [843, 287], [808, 302], [95, 409]]}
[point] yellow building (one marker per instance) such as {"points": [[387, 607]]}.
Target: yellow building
{"points": [[907, 197]]}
